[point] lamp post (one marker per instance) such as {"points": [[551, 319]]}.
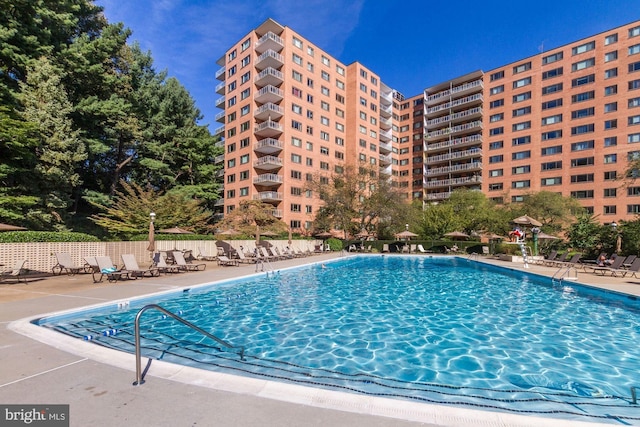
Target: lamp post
{"points": [[614, 226], [152, 234]]}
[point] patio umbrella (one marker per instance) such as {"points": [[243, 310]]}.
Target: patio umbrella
{"points": [[545, 236], [324, 235], [290, 232], [174, 230], [363, 234], [494, 236], [527, 220], [405, 235], [9, 227], [457, 235], [152, 238], [229, 232]]}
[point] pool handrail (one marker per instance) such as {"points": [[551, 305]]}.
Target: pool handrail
{"points": [[139, 379]]}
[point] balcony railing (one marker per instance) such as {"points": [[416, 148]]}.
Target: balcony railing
{"points": [[466, 127], [268, 196], [454, 155], [269, 76], [471, 139], [268, 128], [438, 97], [269, 41], [268, 179], [453, 117], [219, 131], [464, 167], [455, 103], [220, 102], [453, 182], [268, 162], [268, 145], [220, 74], [269, 110], [270, 58], [269, 93]]}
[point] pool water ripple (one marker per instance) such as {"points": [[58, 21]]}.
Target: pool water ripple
{"points": [[433, 329]]}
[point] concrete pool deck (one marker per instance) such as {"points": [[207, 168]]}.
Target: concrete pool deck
{"points": [[98, 386]]}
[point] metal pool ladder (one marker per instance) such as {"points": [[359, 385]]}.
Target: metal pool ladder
{"points": [[569, 272], [139, 379]]}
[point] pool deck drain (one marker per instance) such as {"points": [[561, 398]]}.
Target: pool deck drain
{"points": [[43, 367]]}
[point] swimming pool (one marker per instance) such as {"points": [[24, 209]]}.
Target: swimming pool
{"points": [[443, 330]]}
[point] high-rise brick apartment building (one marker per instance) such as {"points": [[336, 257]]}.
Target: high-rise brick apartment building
{"points": [[563, 120]]}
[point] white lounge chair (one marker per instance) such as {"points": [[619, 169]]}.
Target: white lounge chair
{"points": [[162, 266], [16, 272], [66, 265], [107, 268], [421, 249], [226, 261], [183, 265], [131, 265], [202, 254]]}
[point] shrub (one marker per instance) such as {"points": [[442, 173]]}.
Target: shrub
{"points": [[334, 244], [45, 236]]}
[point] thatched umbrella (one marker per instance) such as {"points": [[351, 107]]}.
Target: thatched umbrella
{"points": [[175, 230], [527, 220], [9, 227], [457, 235], [405, 235]]}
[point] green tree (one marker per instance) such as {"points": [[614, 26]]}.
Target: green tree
{"points": [[584, 234], [553, 210], [128, 213], [59, 150], [251, 214]]}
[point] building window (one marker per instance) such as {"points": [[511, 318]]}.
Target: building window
{"points": [[609, 210], [613, 38], [552, 89], [634, 32], [521, 184], [611, 141], [611, 73], [582, 194], [498, 103], [579, 81], [496, 131], [496, 90], [554, 134], [496, 159], [610, 176], [545, 182], [610, 90], [497, 75], [611, 56], [551, 165], [495, 145], [521, 97], [521, 155], [634, 67], [551, 120], [552, 58], [495, 187], [585, 177], [585, 112], [610, 124], [522, 111], [518, 170], [495, 173], [584, 161], [521, 126], [522, 68], [578, 130], [610, 192], [521, 140], [581, 65], [610, 107], [581, 146], [584, 96], [552, 73], [552, 104], [610, 158], [522, 82], [547, 151], [586, 47]]}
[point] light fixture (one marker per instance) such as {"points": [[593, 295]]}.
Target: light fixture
{"points": [[153, 216]]}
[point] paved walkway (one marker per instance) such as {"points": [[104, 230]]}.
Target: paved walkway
{"points": [[101, 393]]}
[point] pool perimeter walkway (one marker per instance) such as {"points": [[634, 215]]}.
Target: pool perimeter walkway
{"points": [[103, 395]]}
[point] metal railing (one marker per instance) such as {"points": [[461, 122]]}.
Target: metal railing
{"points": [[139, 379]]}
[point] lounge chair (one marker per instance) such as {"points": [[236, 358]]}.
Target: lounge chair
{"points": [[266, 255], [572, 261], [634, 268], [66, 265], [244, 259], [550, 257], [162, 266], [385, 247], [131, 265], [91, 264], [183, 265], [554, 261], [106, 267], [16, 272], [421, 249], [602, 270], [226, 261], [202, 254]]}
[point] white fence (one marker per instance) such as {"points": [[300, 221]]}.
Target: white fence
{"points": [[41, 256]]}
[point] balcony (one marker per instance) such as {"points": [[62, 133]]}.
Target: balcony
{"points": [[385, 111], [277, 213], [219, 131], [385, 160], [269, 59], [385, 123], [220, 117], [269, 111], [385, 135], [472, 99], [439, 196], [219, 144], [268, 129], [466, 127], [454, 182], [464, 167], [386, 171], [220, 88], [268, 163], [269, 76], [473, 113], [268, 196], [269, 41], [219, 202], [220, 102], [268, 179], [385, 148], [269, 94], [457, 143], [268, 146], [219, 159], [221, 73], [220, 173], [461, 90], [456, 155]]}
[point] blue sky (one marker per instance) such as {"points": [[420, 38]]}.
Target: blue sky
{"points": [[411, 44]]}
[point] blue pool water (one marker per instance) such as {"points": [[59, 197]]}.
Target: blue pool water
{"points": [[445, 330]]}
